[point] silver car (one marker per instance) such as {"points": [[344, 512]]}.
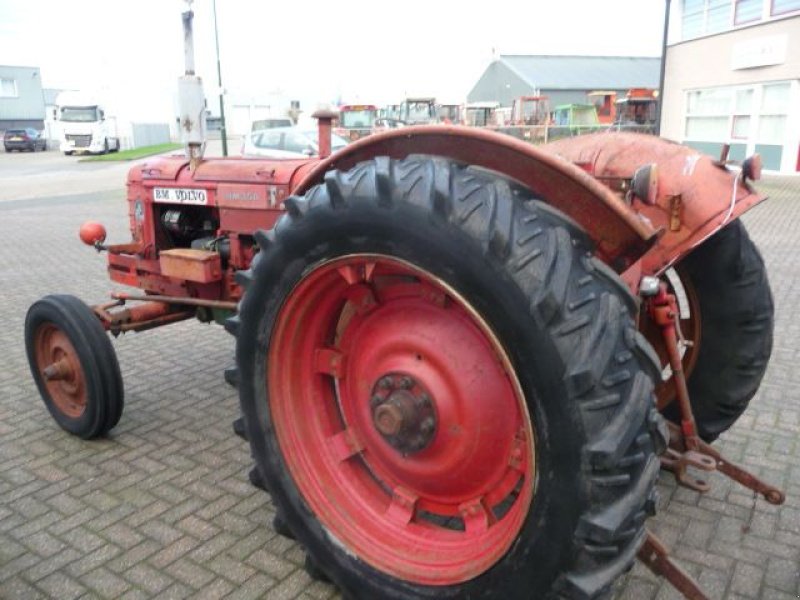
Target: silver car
{"points": [[286, 142]]}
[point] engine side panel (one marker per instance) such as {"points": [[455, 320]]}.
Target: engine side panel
{"points": [[215, 208]]}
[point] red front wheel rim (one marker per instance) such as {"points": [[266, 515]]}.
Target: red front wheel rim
{"points": [[400, 419], [60, 369]]}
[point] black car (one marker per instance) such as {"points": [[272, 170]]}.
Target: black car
{"points": [[24, 139]]}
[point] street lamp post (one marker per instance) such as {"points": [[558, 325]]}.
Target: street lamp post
{"points": [[660, 104], [223, 130]]}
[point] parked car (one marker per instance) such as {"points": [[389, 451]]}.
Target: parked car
{"points": [[286, 142], [24, 139], [270, 123]]}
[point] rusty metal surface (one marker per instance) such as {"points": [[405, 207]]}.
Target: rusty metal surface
{"points": [[688, 330], [730, 469], [191, 264], [147, 315], [620, 236], [58, 361], [325, 125], [655, 556], [663, 309], [177, 300], [696, 195], [686, 449]]}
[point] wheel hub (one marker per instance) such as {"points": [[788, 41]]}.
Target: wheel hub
{"points": [[57, 361], [403, 412]]}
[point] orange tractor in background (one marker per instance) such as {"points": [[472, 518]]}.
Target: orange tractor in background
{"points": [[451, 345]]}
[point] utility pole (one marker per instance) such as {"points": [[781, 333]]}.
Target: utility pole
{"points": [[663, 68], [223, 130]]}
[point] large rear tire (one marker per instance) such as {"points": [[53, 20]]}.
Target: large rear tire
{"points": [[728, 280], [74, 365], [444, 390]]}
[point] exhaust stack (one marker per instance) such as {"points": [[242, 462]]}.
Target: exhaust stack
{"points": [[191, 100]]}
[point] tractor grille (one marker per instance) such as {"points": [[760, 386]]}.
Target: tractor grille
{"points": [[81, 141]]}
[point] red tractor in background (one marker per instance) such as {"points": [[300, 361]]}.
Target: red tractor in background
{"points": [[453, 349], [530, 110], [356, 121]]}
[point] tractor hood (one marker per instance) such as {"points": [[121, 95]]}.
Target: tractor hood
{"points": [[214, 170]]}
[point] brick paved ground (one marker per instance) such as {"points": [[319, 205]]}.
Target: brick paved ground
{"points": [[162, 508]]}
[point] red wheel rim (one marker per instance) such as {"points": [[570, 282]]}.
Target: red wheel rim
{"points": [[60, 369], [400, 419]]}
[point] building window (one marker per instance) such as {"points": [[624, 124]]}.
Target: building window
{"points": [[706, 17], [718, 15], [747, 11], [694, 18], [780, 7], [702, 17], [8, 88], [775, 100], [708, 114], [743, 107], [750, 118]]}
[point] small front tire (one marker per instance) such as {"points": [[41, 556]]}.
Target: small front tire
{"points": [[74, 365]]}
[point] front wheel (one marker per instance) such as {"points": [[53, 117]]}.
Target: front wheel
{"points": [[74, 365], [445, 392]]}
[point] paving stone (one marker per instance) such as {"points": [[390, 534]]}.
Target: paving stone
{"points": [[272, 565], [105, 583], [214, 591], [53, 564], [189, 573], [59, 585], [783, 575], [147, 578], [17, 588], [232, 569], [173, 552], [746, 580], [257, 586]]}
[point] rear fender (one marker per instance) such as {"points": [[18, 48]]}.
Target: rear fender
{"points": [[618, 233], [697, 195]]}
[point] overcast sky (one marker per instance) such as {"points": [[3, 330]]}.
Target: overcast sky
{"points": [[372, 52]]}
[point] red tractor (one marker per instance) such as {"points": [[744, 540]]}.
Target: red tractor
{"points": [[449, 343], [356, 121], [453, 348]]}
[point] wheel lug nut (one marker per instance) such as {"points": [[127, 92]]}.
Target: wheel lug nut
{"points": [[427, 425], [375, 401], [385, 383], [406, 383]]}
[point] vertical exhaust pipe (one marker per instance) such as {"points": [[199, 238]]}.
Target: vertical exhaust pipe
{"points": [[191, 99], [325, 123]]}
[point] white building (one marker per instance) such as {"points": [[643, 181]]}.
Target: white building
{"points": [[733, 77]]}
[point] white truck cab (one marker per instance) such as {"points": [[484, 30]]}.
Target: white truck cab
{"points": [[84, 125]]}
